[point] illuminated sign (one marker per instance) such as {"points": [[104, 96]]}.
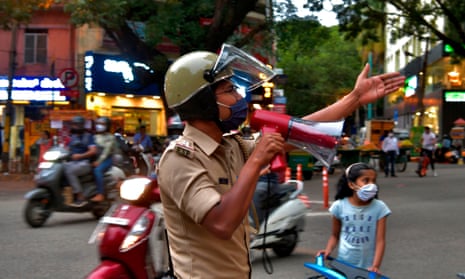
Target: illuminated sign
{"points": [[454, 96], [114, 74], [32, 89], [411, 84]]}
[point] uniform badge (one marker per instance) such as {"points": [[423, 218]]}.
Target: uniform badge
{"points": [[185, 148]]}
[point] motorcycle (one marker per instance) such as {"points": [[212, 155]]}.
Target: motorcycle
{"points": [[53, 193], [144, 162], [133, 159], [280, 230], [337, 269], [131, 237]]}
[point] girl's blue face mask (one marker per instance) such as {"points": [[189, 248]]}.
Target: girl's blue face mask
{"points": [[238, 115], [367, 192]]}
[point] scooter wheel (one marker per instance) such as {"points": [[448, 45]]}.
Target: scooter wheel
{"points": [[286, 245], [36, 213]]}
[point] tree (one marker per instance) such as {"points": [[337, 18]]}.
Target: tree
{"points": [[321, 66], [190, 25], [19, 12], [416, 18]]}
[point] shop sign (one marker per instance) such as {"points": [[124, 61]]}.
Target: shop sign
{"points": [[454, 96], [126, 77], [32, 89], [411, 84]]}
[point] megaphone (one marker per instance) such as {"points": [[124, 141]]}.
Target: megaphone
{"points": [[316, 138]]}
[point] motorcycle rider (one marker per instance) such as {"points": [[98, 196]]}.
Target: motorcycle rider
{"points": [[207, 178], [82, 151], [106, 144], [142, 139]]}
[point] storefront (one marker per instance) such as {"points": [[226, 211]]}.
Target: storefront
{"points": [[114, 89], [442, 95], [31, 98]]}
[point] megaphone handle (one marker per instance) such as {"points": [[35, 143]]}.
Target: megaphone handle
{"points": [[278, 163]]}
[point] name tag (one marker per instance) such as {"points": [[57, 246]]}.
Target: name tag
{"points": [[222, 180]]}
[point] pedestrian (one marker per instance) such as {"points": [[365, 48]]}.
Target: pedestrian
{"points": [[358, 219], [428, 142], [390, 148], [106, 146], [207, 177]]}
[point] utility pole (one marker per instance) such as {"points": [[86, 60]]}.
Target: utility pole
{"points": [[9, 106], [421, 89]]}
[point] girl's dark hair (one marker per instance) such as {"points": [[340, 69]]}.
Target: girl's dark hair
{"points": [[351, 174]]}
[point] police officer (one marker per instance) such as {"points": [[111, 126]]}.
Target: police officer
{"points": [[207, 178]]}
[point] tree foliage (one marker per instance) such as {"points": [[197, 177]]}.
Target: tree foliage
{"points": [[138, 26], [417, 18], [321, 66], [19, 12]]}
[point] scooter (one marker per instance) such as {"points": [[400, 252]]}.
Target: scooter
{"points": [[338, 269], [286, 219], [143, 161], [53, 193], [131, 237]]}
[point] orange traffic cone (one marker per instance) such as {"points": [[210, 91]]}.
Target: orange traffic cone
{"points": [[325, 188], [299, 173], [287, 174]]}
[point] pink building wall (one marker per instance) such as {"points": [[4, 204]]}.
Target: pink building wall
{"points": [[60, 44]]}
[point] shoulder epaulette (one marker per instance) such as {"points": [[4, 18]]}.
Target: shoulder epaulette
{"points": [[184, 147]]}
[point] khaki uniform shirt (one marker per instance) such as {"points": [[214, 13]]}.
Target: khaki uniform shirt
{"points": [[193, 173]]}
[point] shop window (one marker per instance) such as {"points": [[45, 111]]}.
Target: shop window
{"points": [[35, 46]]}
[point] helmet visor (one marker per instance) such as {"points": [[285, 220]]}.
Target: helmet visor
{"points": [[248, 72]]}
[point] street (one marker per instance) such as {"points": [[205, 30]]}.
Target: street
{"points": [[425, 233]]}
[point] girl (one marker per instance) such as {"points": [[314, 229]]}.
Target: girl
{"points": [[359, 219]]}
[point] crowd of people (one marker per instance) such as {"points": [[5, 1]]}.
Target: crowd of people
{"points": [[91, 151]]}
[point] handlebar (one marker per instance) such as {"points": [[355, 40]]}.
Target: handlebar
{"points": [[299, 187]]}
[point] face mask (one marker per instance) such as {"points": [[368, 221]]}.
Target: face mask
{"points": [[100, 128], [238, 115], [367, 192]]}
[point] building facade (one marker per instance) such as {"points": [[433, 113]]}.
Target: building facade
{"points": [[433, 94]]}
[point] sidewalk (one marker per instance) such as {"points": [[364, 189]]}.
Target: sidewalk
{"points": [[16, 181]]}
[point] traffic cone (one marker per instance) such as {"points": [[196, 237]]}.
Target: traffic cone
{"points": [[287, 174], [299, 173], [325, 188]]}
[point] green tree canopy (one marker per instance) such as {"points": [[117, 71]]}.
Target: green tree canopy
{"points": [[19, 12], [321, 66], [417, 18]]}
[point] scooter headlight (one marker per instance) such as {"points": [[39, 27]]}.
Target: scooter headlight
{"points": [[132, 189], [51, 155], [139, 231]]}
